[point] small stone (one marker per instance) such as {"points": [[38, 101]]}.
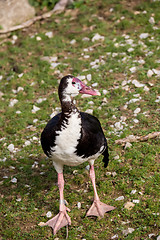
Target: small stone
{"points": [[127, 231], [118, 126], [18, 199], [137, 84], [146, 89], [27, 143], [89, 77], [151, 20], [11, 147], [116, 157], [48, 214], [40, 100], [38, 38], [133, 69], [35, 139], [133, 191], [135, 120], [129, 205], [13, 102], [137, 110], [95, 84], [150, 73], [105, 91], [90, 111], [143, 35], [73, 41], [97, 37], [136, 201], [35, 109], [75, 172], [14, 180], [49, 34], [115, 236], [128, 145], [120, 198], [85, 39], [79, 205], [114, 174], [130, 50], [87, 167]]}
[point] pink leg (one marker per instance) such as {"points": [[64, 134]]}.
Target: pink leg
{"points": [[61, 219], [98, 208]]}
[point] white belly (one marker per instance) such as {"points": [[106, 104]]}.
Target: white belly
{"points": [[63, 153]]}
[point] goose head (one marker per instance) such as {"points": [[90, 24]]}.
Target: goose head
{"points": [[71, 86]]}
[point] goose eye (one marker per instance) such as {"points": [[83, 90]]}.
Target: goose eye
{"points": [[73, 83]]}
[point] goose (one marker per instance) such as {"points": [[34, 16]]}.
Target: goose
{"points": [[72, 138]]}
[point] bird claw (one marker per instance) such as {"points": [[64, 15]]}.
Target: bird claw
{"points": [[60, 220], [98, 209]]}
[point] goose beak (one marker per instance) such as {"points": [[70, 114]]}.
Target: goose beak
{"points": [[88, 90], [84, 89]]}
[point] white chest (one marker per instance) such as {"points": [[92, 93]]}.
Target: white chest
{"points": [[67, 138]]}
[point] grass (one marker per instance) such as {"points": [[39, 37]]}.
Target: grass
{"points": [[24, 204]]}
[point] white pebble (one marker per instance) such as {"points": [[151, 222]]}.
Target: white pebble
{"points": [[137, 84], [81, 77], [73, 41], [13, 102], [127, 231], [79, 205], [146, 89], [151, 20], [135, 201], [85, 39], [120, 198], [97, 37], [35, 120], [20, 75], [118, 126], [133, 191], [150, 73], [18, 199], [27, 143], [18, 112], [40, 100], [48, 214], [35, 139], [20, 89], [137, 110], [130, 50], [38, 38], [49, 34], [14, 180], [128, 145], [95, 84], [115, 236], [90, 111], [89, 77], [143, 35], [135, 120], [11, 147], [133, 69], [35, 109], [105, 91], [113, 174]]}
